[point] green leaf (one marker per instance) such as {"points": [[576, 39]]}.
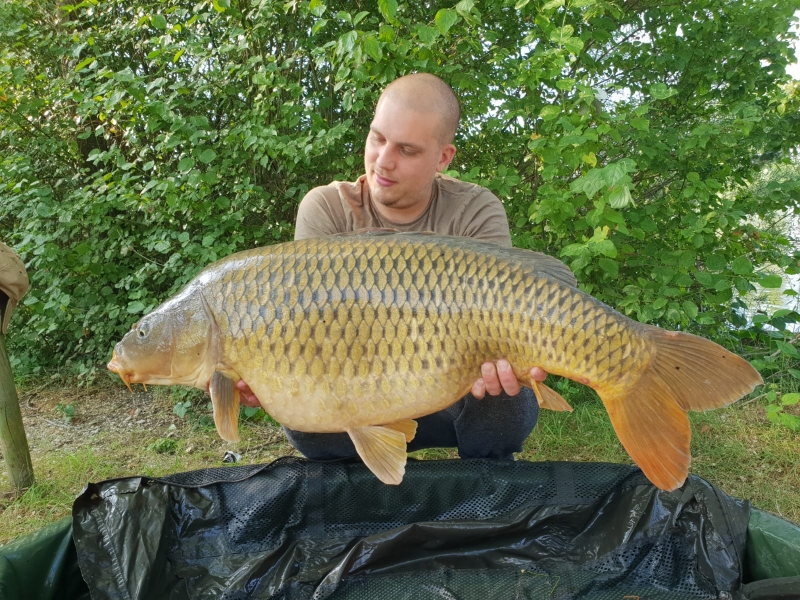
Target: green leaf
{"points": [[590, 183], [606, 247], [742, 266], [84, 63], [550, 112], [640, 124], [158, 21], [445, 19], [790, 399], [521, 4], [186, 164], [136, 307], [609, 266], [560, 34], [573, 44], [388, 8], [125, 75], [359, 17], [786, 348], [661, 91], [347, 42], [794, 373], [620, 197], [690, 308], [319, 25], [552, 4], [206, 156], [373, 47], [716, 262], [771, 281], [464, 8], [427, 34]]}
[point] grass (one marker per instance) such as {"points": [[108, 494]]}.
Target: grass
{"points": [[115, 435]]}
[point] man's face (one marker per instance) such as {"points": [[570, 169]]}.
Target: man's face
{"points": [[402, 155]]}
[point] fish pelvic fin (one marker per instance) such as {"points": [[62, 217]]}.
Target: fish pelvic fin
{"points": [[225, 402], [649, 414], [549, 398], [383, 450], [407, 428]]}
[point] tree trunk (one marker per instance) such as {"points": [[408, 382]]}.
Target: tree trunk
{"points": [[13, 442]]}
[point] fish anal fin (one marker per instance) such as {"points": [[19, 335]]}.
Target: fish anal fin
{"points": [[407, 428], [653, 429], [700, 374], [549, 398], [225, 402], [383, 450]]}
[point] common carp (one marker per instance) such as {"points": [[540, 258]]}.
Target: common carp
{"points": [[366, 332]]}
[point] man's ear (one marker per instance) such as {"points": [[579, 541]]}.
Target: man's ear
{"points": [[446, 157]]}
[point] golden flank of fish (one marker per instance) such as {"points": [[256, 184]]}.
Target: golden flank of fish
{"points": [[366, 332]]}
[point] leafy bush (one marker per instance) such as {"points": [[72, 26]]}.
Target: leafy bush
{"points": [[142, 140]]}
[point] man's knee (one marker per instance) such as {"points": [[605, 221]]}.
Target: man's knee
{"points": [[321, 446]]}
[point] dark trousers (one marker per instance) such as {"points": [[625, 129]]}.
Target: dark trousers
{"points": [[494, 427]]}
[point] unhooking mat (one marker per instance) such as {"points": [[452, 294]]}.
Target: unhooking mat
{"points": [[454, 529]]}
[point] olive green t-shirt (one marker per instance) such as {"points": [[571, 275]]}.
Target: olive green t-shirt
{"points": [[456, 208]]}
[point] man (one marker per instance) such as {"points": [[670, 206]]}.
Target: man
{"points": [[410, 143]]}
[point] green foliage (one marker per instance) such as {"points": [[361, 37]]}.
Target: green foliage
{"points": [[164, 446], [67, 412], [141, 141], [256, 414], [776, 411]]}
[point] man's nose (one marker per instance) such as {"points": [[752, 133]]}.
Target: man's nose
{"points": [[385, 159]]}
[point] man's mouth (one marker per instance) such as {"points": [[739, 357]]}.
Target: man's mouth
{"points": [[384, 181]]}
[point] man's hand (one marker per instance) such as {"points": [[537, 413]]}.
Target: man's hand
{"points": [[246, 395], [501, 378]]}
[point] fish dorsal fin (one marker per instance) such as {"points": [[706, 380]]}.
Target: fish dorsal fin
{"points": [[225, 401], [549, 398], [407, 428], [383, 450], [542, 263]]}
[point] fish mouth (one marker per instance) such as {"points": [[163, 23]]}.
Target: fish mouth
{"points": [[116, 367]]}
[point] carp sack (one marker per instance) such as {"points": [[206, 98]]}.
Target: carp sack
{"points": [[366, 332]]}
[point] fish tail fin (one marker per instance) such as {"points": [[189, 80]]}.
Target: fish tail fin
{"points": [[549, 398], [649, 415], [225, 402]]}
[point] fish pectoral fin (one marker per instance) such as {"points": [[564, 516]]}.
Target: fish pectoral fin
{"points": [[407, 428], [653, 428], [549, 398], [383, 450], [225, 402]]}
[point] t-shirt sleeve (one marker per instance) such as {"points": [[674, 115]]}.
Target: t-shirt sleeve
{"points": [[319, 214], [484, 218]]}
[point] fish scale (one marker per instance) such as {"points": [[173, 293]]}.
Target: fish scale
{"points": [[364, 333], [480, 330]]}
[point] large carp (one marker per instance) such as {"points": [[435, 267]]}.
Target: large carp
{"points": [[366, 332]]}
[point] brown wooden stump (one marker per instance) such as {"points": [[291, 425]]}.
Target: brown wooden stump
{"points": [[13, 442]]}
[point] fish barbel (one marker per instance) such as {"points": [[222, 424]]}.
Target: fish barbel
{"points": [[366, 332]]}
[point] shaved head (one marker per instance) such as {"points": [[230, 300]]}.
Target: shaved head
{"points": [[427, 93]]}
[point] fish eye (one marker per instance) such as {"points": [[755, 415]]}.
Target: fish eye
{"points": [[143, 330]]}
